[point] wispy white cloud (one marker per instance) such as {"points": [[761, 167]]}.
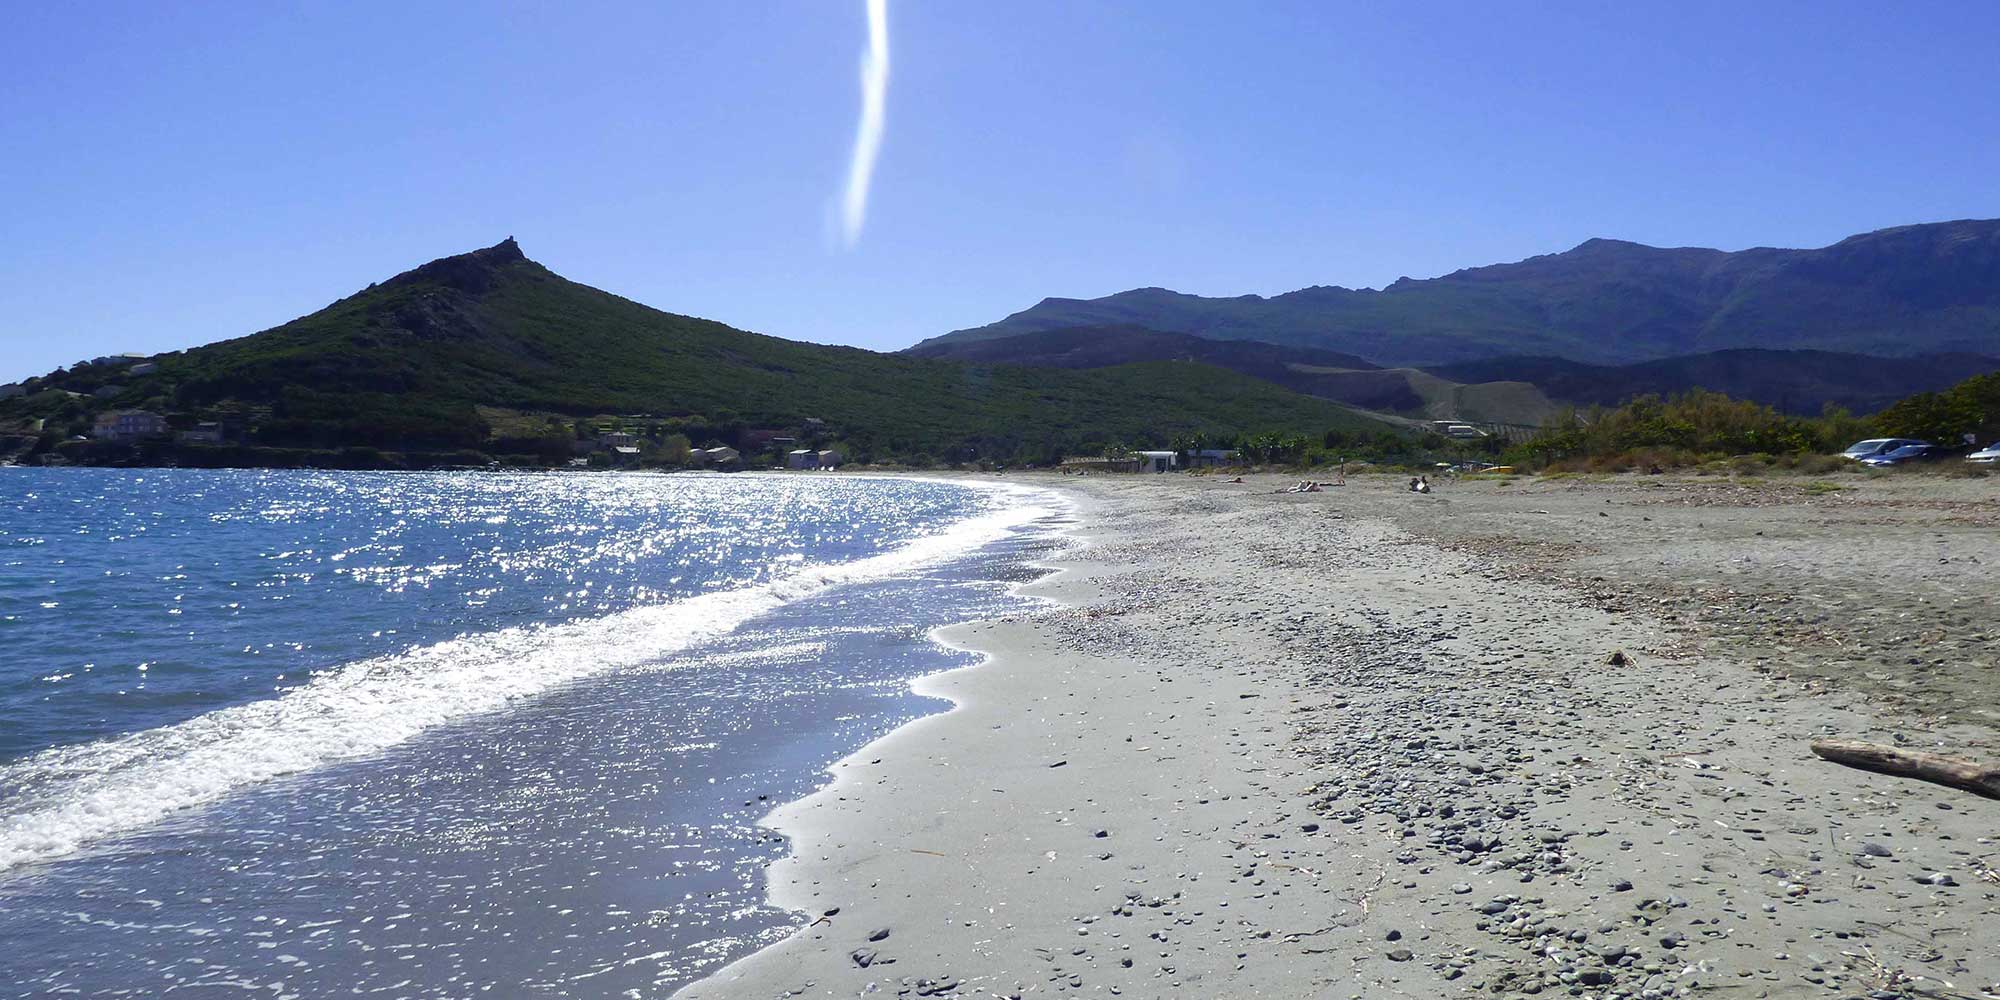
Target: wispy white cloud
{"points": [[868, 134]]}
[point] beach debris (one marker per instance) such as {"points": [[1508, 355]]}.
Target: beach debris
{"points": [[1618, 658], [881, 934], [1955, 772]]}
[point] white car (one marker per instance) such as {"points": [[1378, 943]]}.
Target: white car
{"points": [[1876, 446], [1988, 455]]}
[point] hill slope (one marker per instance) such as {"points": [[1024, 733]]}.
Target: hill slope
{"points": [[1799, 382], [1330, 375], [411, 362], [1920, 289], [1102, 346]]}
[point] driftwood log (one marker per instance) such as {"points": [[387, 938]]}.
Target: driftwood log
{"points": [[1957, 772]]}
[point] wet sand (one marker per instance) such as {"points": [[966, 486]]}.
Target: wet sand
{"points": [[1361, 743]]}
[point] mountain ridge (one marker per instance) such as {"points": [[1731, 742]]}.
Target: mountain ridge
{"points": [[1901, 291]]}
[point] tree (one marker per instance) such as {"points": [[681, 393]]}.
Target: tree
{"points": [[1970, 407], [676, 449]]}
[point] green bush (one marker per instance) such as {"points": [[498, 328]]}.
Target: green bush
{"points": [[1713, 433]]}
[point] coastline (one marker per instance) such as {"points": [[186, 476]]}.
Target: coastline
{"points": [[1298, 745], [616, 811]]}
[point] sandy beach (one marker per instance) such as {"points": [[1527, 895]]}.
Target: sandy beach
{"points": [[1540, 736]]}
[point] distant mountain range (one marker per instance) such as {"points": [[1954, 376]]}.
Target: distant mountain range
{"points": [[1902, 292], [490, 350]]}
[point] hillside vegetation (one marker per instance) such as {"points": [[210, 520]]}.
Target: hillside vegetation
{"points": [[1701, 426], [1510, 390], [422, 361], [1796, 382]]}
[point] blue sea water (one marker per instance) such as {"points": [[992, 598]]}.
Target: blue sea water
{"points": [[444, 735]]}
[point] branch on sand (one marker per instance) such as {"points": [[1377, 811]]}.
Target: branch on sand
{"points": [[1955, 772]]}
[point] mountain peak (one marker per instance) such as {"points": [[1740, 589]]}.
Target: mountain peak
{"points": [[472, 273], [1600, 244], [506, 249]]}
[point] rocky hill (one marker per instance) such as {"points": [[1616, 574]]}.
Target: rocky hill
{"points": [[468, 351]]}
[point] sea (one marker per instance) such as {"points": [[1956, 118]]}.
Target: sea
{"points": [[286, 734]]}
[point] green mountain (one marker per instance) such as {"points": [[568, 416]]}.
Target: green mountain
{"points": [[1514, 390], [492, 351], [1343, 378], [1104, 346], [1912, 290]]}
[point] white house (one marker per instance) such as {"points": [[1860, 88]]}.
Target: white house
{"points": [[829, 459], [1159, 461], [723, 456], [202, 433], [1458, 429], [803, 458]]}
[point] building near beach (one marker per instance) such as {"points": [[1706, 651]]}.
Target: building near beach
{"points": [[802, 458], [1458, 429], [209, 432], [1159, 461], [829, 459], [128, 425], [723, 456]]}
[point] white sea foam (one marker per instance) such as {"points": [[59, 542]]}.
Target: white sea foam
{"points": [[64, 799]]}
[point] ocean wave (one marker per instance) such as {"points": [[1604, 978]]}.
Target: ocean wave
{"points": [[65, 799]]}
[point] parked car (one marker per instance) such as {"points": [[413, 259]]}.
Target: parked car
{"points": [[1988, 455], [1877, 446], [1914, 451]]}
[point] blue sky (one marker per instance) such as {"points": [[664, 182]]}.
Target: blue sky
{"points": [[181, 173]]}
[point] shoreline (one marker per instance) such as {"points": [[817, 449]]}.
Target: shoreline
{"points": [[1276, 745], [630, 806]]}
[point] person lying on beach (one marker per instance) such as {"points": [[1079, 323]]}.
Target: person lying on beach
{"points": [[1238, 479]]}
